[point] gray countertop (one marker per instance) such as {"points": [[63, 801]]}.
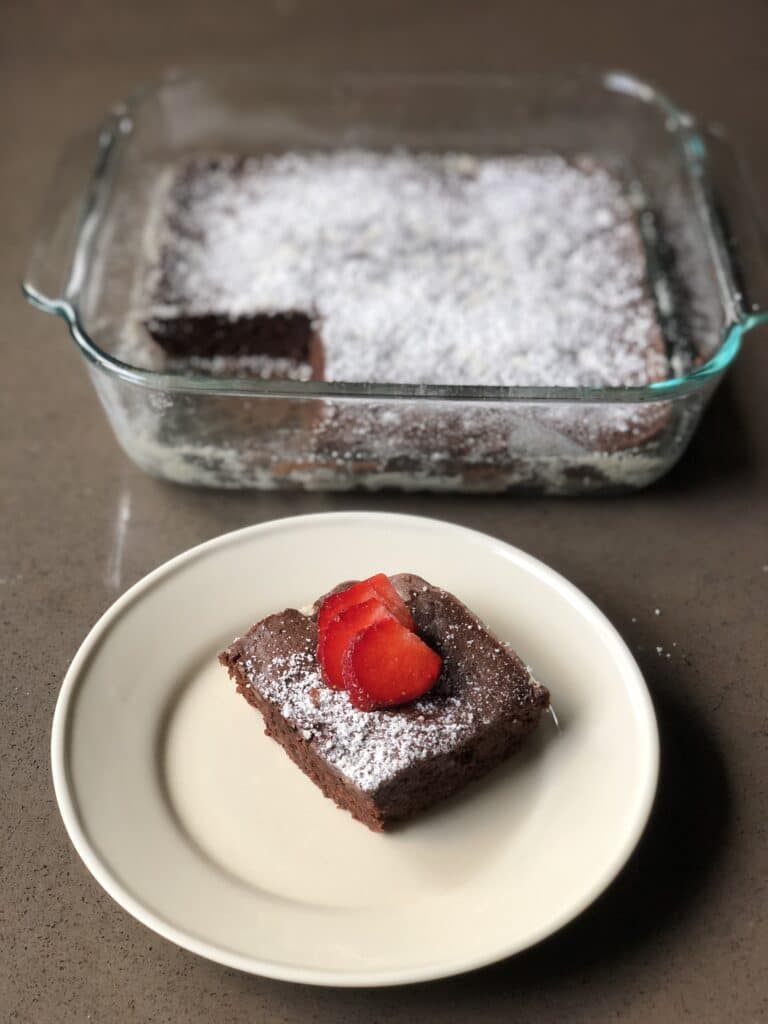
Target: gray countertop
{"points": [[683, 932]]}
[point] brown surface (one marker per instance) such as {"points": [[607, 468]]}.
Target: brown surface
{"points": [[683, 933]]}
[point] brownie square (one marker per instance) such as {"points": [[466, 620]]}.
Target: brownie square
{"points": [[385, 766]]}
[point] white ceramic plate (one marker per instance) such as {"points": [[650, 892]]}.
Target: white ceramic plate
{"points": [[202, 828]]}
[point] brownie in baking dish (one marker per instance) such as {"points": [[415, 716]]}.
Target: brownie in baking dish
{"points": [[386, 765], [407, 268], [398, 267]]}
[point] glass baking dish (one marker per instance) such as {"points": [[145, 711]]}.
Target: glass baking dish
{"points": [[697, 223]]}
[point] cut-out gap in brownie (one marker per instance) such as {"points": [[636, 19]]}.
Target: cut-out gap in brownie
{"points": [[290, 336]]}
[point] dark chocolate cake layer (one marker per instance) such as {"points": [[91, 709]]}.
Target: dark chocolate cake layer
{"points": [[282, 338], [385, 766]]}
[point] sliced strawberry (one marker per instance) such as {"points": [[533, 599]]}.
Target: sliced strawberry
{"points": [[378, 586], [393, 601], [387, 664], [339, 634]]}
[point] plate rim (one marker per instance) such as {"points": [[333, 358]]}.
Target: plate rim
{"points": [[344, 978]]}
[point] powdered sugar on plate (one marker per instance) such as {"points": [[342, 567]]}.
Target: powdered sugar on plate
{"points": [[442, 269]]}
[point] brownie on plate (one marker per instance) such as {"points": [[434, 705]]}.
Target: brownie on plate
{"points": [[385, 765]]}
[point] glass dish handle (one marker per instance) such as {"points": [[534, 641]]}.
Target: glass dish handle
{"points": [[57, 260], [742, 222]]}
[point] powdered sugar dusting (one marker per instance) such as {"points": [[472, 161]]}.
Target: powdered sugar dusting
{"points": [[368, 747], [423, 269]]}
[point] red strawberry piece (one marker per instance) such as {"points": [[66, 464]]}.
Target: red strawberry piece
{"points": [[387, 664], [395, 604], [378, 586], [339, 634]]}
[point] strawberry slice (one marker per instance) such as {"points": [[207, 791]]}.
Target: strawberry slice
{"points": [[387, 664], [339, 634], [379, 587]]}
